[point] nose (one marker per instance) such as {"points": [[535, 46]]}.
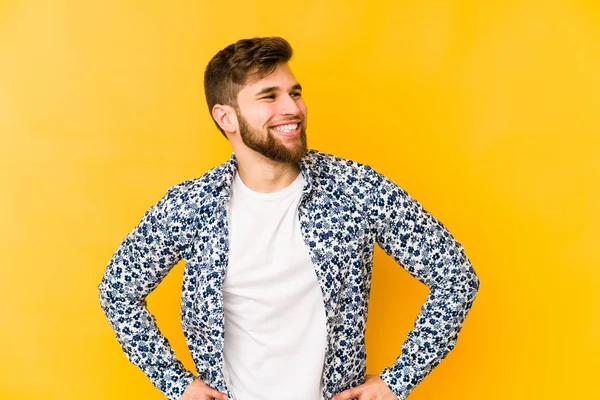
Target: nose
{"points": [[288, 106]]}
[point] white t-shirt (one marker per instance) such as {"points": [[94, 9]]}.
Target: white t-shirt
{"points": [[275, 326]]}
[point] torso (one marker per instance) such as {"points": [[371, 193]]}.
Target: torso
{"points": [[275, 327]]}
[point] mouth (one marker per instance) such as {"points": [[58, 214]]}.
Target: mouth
{"points": [[287, 130]]}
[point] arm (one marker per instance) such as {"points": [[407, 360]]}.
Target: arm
{"points": [[139, 264], [427, 250]]}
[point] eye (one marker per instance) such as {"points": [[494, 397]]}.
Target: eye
{"points": [[269, 97], [296, 94]]}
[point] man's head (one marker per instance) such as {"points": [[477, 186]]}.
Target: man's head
{"points": [[251, 90]]}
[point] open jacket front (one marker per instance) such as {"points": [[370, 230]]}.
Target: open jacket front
{"points": [[346, 208]]}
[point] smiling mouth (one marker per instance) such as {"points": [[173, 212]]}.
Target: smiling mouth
{"points": [[286, 128]]}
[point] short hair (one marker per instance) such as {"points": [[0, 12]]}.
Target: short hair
{"points": [[231, 68]]}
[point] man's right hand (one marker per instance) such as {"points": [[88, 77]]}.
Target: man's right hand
{"points": [[199, 390]]}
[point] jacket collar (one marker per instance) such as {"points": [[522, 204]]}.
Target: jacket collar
{"points": [[226, 172]]}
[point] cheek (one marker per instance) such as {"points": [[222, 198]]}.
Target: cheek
{"points": [[258, 117], [264, 115], [302, 107]]}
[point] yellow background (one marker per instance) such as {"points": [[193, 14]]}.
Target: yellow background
{"points": [[485, 111]]}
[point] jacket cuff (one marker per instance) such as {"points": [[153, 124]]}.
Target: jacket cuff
{"points": [[174, 383], [398, 383]]}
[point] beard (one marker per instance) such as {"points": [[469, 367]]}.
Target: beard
{"points": [[270, 146]]}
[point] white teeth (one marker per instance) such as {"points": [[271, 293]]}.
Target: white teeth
{"points": [[286, 128]]}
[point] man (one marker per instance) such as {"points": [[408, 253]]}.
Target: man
{"points": [[278, 244]]}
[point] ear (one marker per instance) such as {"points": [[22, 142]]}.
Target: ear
{"points": [[225, 116]]}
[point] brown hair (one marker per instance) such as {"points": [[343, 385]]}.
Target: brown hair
{"points": [[230, 69]]}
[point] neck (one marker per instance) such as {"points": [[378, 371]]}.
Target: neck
{"points": [[264, 175]]}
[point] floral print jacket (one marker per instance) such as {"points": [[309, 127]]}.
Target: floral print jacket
{"points": [[346, 208]]}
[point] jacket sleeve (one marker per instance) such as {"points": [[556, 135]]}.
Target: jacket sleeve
{"points": [[139, 264], [427, 250]]}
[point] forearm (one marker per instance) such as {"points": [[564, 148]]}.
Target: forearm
{"points": [[142, 342]]}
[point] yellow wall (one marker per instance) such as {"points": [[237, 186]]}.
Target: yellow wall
{"points": [[485, 111]]}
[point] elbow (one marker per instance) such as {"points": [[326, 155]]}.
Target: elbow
{"points": [[109, 294], [473, 283], [103, 295], [110, 288]]}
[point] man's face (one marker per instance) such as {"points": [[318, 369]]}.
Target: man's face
{"points": [[272, 116]]}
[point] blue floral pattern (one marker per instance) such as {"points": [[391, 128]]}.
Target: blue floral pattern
{"points": [[346, 208]]}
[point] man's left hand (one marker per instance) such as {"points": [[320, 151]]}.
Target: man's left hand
{"points": [[373, 389]]}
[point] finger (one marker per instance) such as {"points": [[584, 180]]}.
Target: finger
{"points": [[348, 394], [214, 394]]}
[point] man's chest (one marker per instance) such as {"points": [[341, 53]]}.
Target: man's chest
{"points": [[269, 264]]}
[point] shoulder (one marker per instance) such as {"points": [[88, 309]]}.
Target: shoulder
{"points": [[334, 169], [194, 194]]}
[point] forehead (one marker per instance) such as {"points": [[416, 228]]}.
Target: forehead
{"points": [[282, 77]]}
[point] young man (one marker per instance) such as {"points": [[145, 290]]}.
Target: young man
{"points": [[278, 244]]}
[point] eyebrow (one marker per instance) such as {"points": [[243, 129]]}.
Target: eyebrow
{"points": [[272, 89]]}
